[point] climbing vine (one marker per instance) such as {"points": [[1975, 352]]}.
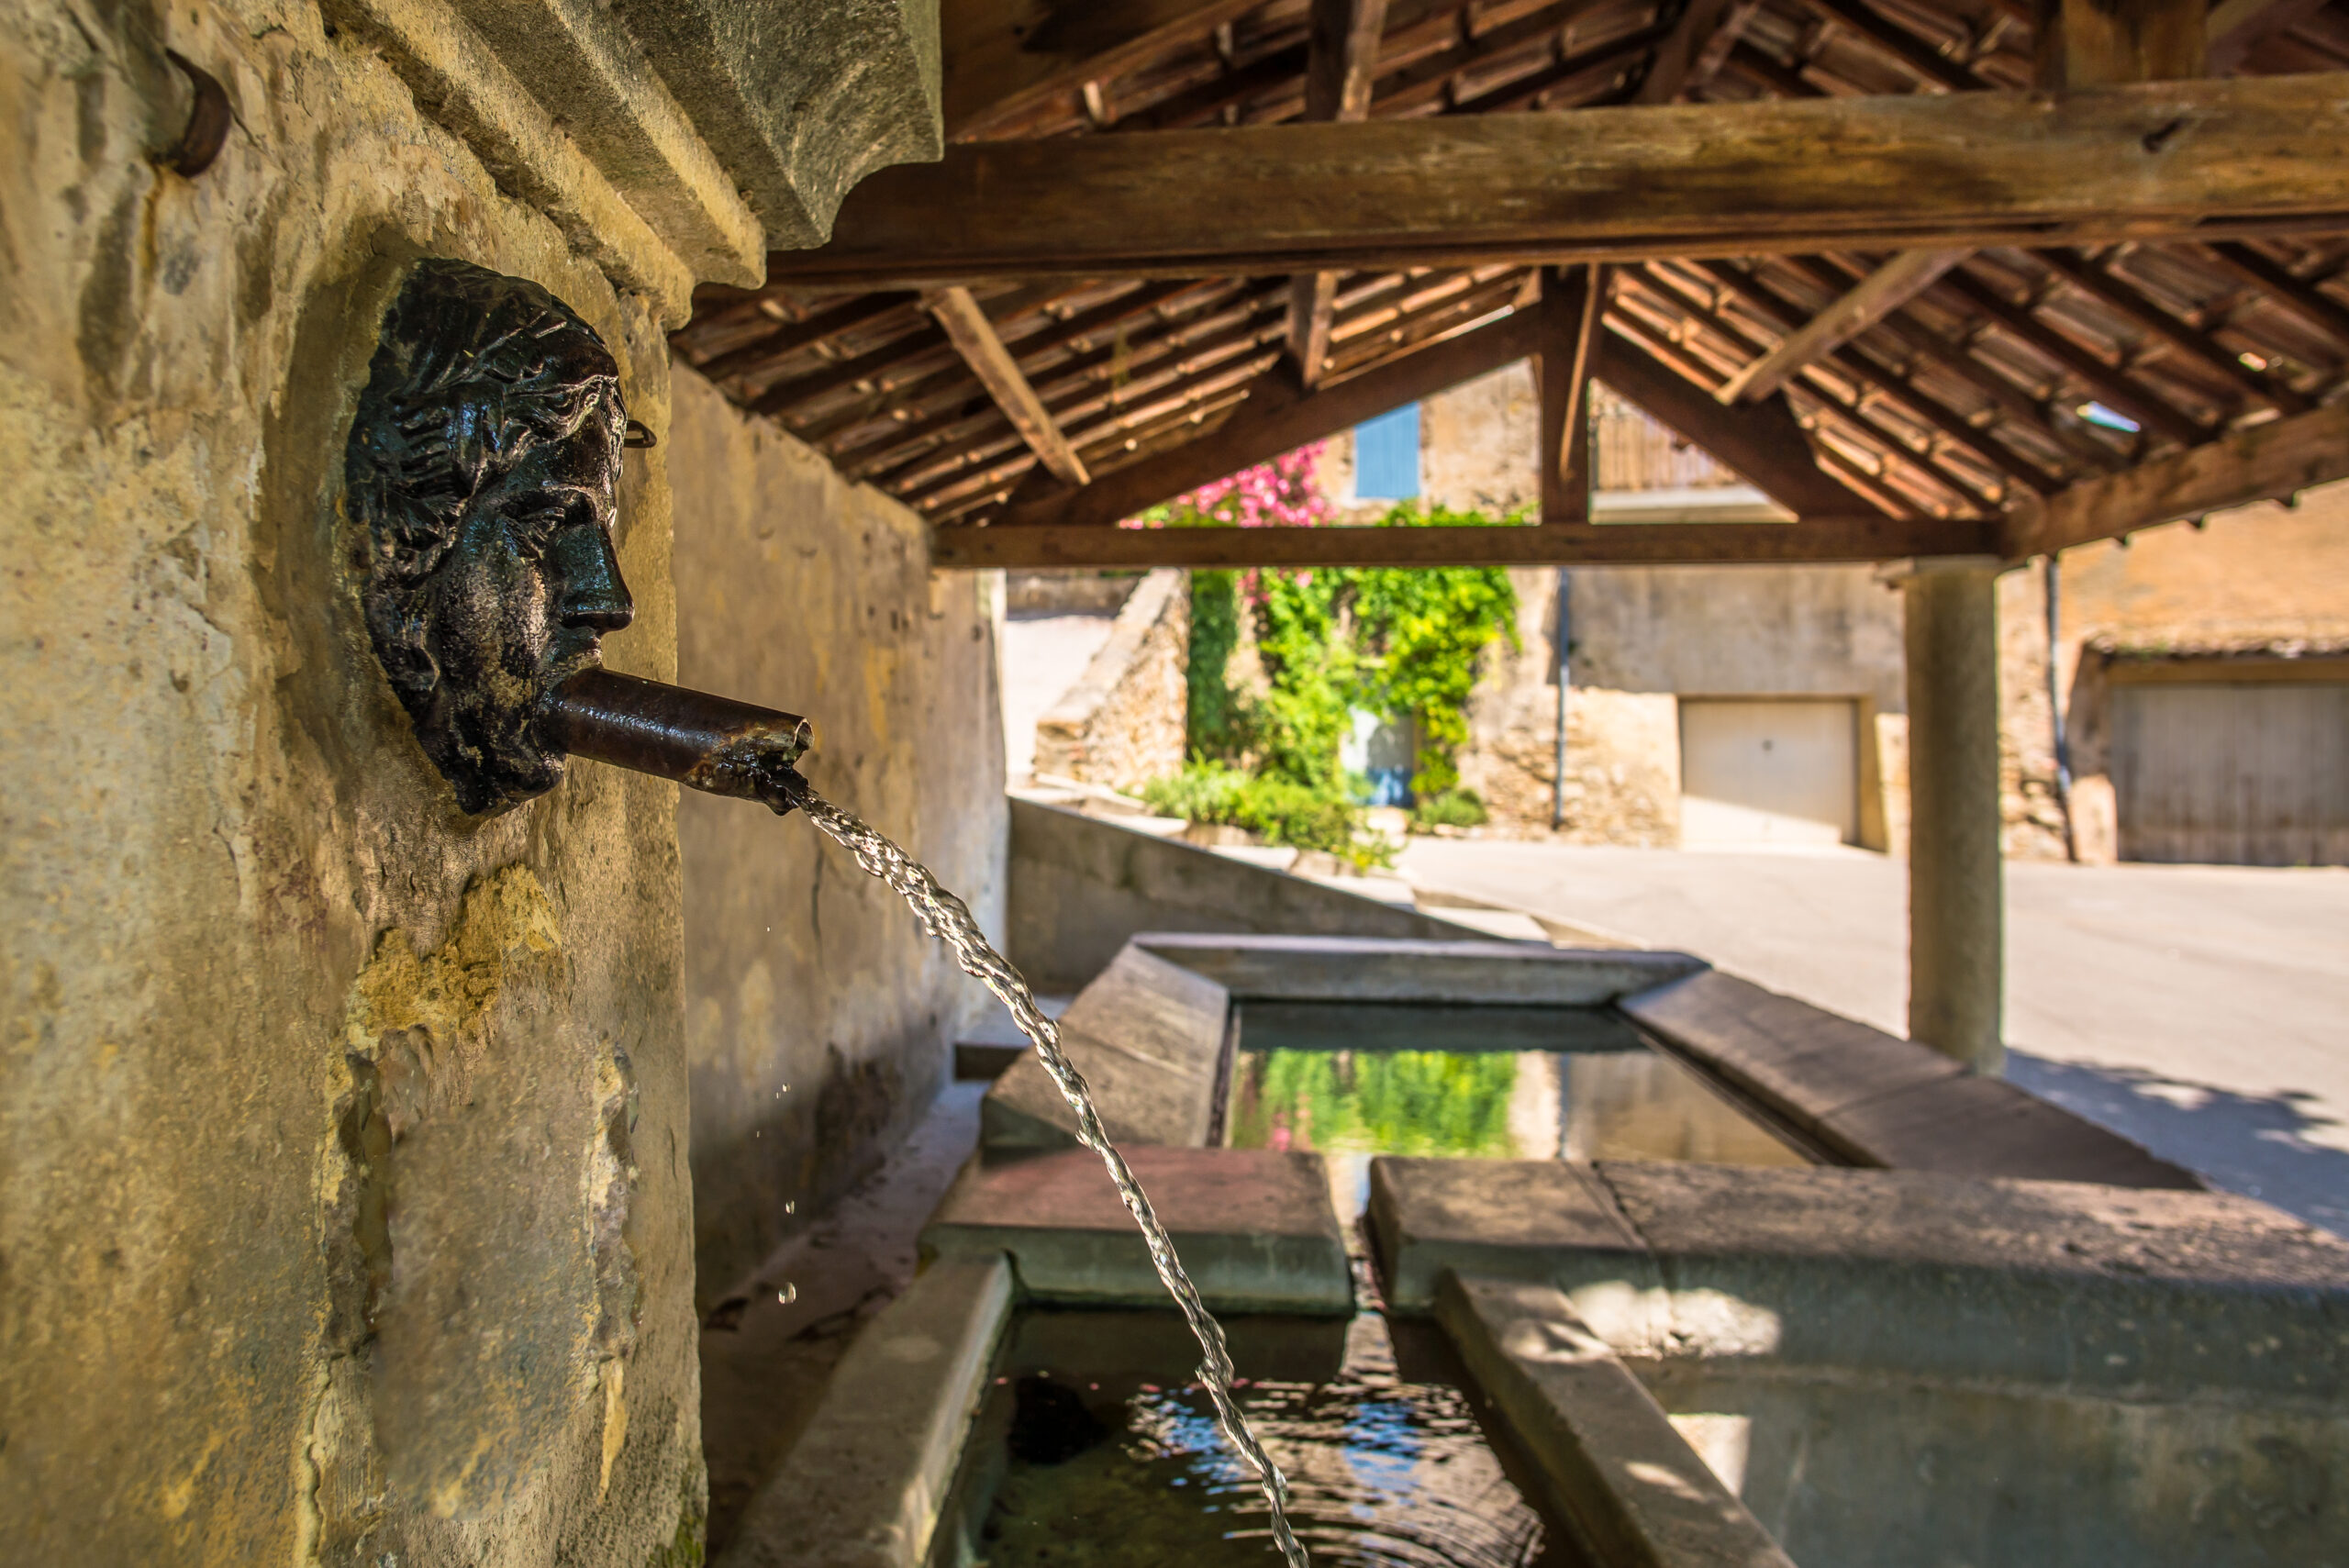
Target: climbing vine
{"points": [[1400, 642]]}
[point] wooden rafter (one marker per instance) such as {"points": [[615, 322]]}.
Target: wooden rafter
{"points": [[1279, 418], [1762, 441], [2186, 339], [1675, 59], [2234, 27], [974, 339], [1898, 43], [2261, 462], [1881, 292], [1970, 169]]}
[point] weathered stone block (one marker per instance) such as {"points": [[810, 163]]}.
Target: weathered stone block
{"points": [[1255, 1227], [864, 1485], [800, 100], [1606, 1456], [1148, 1036]]}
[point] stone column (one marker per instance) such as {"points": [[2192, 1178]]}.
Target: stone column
{"points": [[1956, 894]]}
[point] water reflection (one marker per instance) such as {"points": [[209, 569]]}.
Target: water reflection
{"points": [[1388, 1468], [1355, 1079]]}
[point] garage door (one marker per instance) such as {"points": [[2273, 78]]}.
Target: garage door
{"points": [[1768, 772], [2232, 773]]}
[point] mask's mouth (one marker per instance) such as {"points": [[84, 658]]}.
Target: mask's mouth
{"points": [[709, 743]]}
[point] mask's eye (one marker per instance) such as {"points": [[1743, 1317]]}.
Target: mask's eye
{"points": [[533, 524]]}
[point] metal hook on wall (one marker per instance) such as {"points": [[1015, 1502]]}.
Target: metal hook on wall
{"points": [[207, 130]]}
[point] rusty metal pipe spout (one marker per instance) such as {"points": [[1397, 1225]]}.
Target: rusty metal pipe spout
{"points": [[709, 743]]}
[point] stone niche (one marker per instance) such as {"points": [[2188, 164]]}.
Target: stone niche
{"points": [[344, 1210]]}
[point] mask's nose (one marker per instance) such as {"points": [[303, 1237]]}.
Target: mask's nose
{"points": [[593, 595]]}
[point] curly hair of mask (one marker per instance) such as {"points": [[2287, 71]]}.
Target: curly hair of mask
{"points": [[473, 372]]}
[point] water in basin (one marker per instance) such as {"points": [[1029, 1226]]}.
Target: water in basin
{"points": [[1095, 1447], [1350, 1080]]}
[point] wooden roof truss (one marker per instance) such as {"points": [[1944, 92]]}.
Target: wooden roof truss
{"points": [[1968, 388]]}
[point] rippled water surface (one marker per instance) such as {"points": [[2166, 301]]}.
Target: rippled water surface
{"points": [[1086, 1457]]}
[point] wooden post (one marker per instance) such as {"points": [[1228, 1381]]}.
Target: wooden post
{"points": [[1573, 303], [1342, 52], [2102, 43]]}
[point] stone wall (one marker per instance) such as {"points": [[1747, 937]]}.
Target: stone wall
{"points": [[1123, 723], [819, 1019], [343, 1199], [2256, 580], [1642, 638]]}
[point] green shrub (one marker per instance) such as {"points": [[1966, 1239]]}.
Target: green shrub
{"points": [[1282, 810], [1461, 808]]}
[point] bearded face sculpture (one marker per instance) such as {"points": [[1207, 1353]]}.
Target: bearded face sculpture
{"points": [[485, 466]]}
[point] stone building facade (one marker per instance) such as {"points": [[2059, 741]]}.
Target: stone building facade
{"points": [[2258, 597], [347, 1141]]}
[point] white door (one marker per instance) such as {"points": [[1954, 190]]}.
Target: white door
{"points": [[2232, 773], [1769, 771]]}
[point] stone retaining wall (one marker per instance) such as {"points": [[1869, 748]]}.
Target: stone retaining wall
{"points": [[1123, 723]]}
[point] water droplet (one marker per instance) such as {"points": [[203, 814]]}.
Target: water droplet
{"points": [[787, 1294], [791, 1206]]}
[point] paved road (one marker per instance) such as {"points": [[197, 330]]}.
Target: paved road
{"points": [[2202, 1010]]}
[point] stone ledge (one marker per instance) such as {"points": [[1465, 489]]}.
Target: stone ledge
{"points": [[1148, 1036], [1609, 1462], [866, 1483], [2055, 1283], [1378, 968], [1873, 1099], [1255, 1227]]}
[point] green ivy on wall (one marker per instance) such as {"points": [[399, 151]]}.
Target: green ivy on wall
{"points": [[1404, 642]]}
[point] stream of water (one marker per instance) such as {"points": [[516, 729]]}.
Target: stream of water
{"points": [[948, 919]]}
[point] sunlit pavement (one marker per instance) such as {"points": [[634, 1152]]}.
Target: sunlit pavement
{"points": [[2202, 1010]]}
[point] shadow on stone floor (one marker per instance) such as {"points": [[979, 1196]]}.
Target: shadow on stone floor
{"points": [[2258, 1145]]}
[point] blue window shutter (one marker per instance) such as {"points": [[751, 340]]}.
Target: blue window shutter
{"points": [[1386, 456]]}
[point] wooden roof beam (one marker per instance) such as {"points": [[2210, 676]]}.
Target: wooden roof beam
{"points": [[1877, 295], [2210, 158], [2263, 463], [959, 315], [1872, 537], [1341, 56]]}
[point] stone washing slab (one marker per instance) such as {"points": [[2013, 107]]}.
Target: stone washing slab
{"points": [[864, 1484], [1505, 1218], [1987, 1127], [1148, 1036], [1254, 1227], [2097, 1289], [1870, 1098], [1389, 969], [1605, 1456]]}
